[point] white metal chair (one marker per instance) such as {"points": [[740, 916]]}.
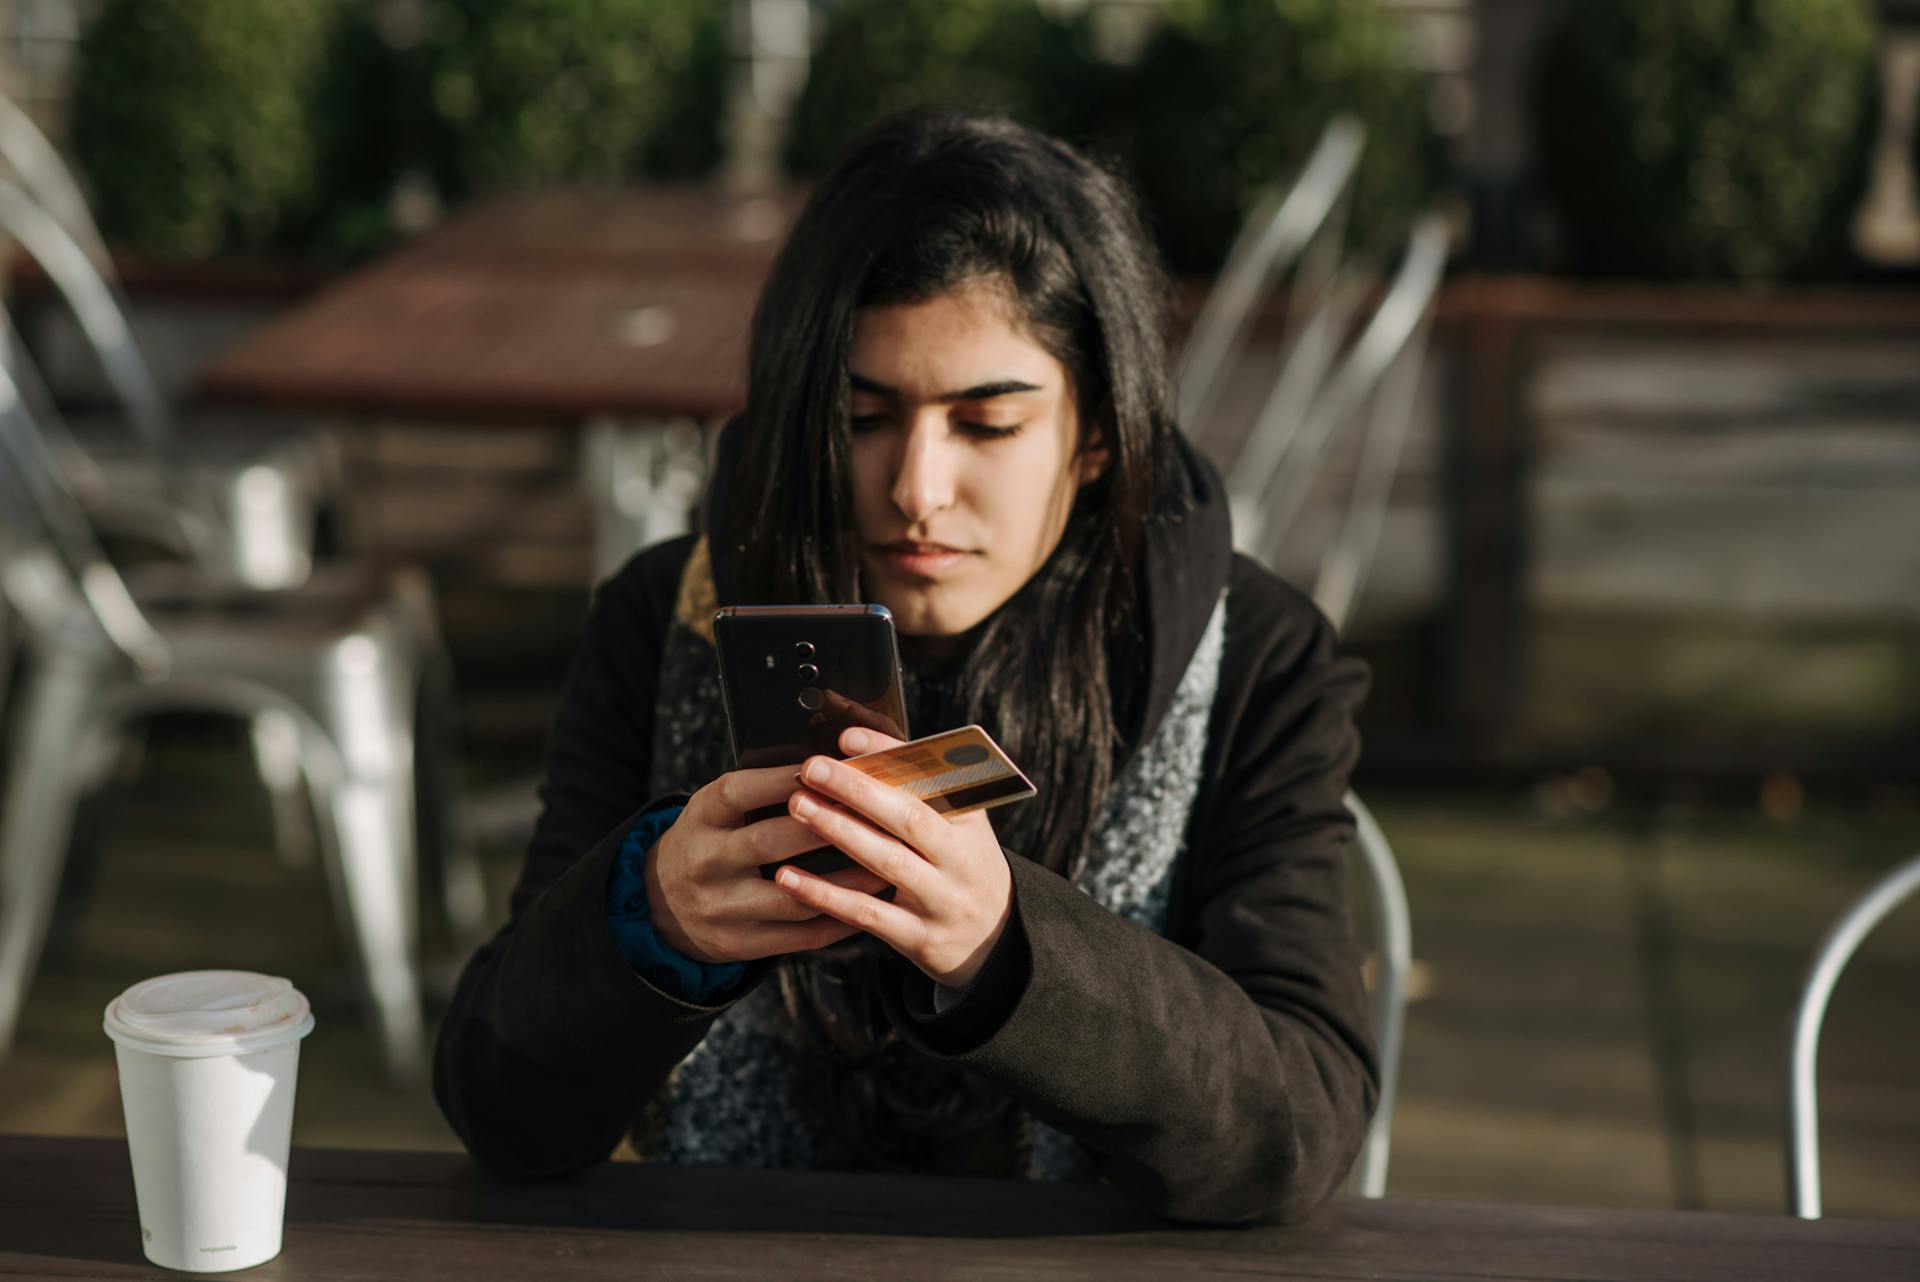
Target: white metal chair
{"points": [[341, 658], [1393, 947], [1829, 960], [1390, 348], [1379, 371], [247, 505], [243, 507], [1380, 376], [1306, 219], [36, 161], [1275, 463]]}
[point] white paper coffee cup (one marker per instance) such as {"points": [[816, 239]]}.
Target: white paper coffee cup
{"points": [[207, 1066]]}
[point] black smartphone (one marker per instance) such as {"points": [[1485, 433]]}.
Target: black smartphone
{"points": [[795, 676]]}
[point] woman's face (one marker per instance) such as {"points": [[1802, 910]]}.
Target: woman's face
{"points": [[966, 457]]}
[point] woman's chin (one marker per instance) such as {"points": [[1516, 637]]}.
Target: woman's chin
{"points": [[927, 616]]}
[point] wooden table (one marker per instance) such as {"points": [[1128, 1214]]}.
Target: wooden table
{"points": [[67, 1211], [622, 313], [542, 306]]}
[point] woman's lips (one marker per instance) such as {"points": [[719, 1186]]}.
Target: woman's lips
{"points": [[919, 560]]}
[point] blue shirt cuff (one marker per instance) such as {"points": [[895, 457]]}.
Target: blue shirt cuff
{"points": [[631, 921]]}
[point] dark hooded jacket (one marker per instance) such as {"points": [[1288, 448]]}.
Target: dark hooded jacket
{"points": [[1220, 1072]]}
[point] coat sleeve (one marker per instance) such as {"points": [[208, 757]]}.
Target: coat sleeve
{"points": [[553, 1044], [1225, 1074]]}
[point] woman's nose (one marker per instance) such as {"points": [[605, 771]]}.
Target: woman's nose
{"points": [[924, 483]]}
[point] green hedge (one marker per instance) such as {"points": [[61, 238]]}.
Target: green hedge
{"points": [[280, 127], [1000, 57], [1711, 138], [1232, 94], [364, 128], [236, 126], [1229, 95], [191, 122], [521, 93]]}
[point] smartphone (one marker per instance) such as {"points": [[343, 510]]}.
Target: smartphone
{"points": [[794, 676]]}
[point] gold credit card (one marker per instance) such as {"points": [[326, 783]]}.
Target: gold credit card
{"points": [[954, 772]]}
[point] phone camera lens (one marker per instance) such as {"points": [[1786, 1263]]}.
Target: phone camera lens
{"points": [[803, 651], [811, 699], [809, 673]]}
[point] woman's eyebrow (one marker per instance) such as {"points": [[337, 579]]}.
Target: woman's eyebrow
{"points": [[982, 392]]}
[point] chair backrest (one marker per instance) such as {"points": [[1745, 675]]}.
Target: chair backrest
{"points": [[1835, 951], [95, 306], [47, 548], [41, 170], [1284, 223], [1393, 949], [1379, 369], [1401, 328]]}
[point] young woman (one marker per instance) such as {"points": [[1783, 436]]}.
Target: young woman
{"points": [[957, 408]]}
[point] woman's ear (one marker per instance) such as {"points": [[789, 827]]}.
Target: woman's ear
{"points": [[1090, 464]]}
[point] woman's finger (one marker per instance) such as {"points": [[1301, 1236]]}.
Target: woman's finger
{"points": [[751, 901], [767, 841], [889, 923], [870, 847], [724, 803], [892, 809], [855, 740], [858, 879]]}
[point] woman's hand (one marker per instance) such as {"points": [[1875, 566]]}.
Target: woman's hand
{"points": [[704, 889], [955, 891]]}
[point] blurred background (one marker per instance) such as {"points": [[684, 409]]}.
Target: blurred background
{"points": [[1567, 350]]}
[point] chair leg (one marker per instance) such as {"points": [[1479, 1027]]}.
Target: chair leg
{"points": [[445, 843], [276, 757], [8, 632], [446, 840], [42, 791], [363, 799], [266, 507]]}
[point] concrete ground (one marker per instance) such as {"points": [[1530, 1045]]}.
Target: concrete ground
{"points": [[1602, 986]]}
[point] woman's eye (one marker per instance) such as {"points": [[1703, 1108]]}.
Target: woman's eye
{"points": [[990, 431], [866, 422]]}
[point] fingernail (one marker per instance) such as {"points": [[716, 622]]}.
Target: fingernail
{"points": [[855, 740], [804, 806], [788, 878], [816, 771]]}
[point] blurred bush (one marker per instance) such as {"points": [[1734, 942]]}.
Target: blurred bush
{"points": [[1711, 138], [1231, 95], [237, 127], [242, 127], [192, 122], [525, 92], [365, 125], [997, 57]]}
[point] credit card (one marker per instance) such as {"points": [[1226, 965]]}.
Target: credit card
{"points": [[955, 772]]}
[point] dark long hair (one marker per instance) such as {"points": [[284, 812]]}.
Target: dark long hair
{"points": [[925, 203]]}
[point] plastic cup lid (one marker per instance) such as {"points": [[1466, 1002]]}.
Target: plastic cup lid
{"points": [[202, 1013]]}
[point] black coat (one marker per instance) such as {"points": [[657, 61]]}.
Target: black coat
{"points": [[1222, 1073]]}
